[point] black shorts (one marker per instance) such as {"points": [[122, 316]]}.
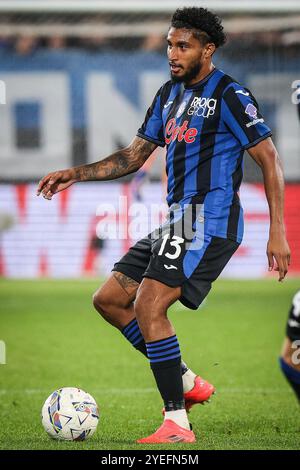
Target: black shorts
{"points": [[174, 260], [293, 323]]}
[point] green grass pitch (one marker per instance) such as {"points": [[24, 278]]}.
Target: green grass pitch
{"points": [[54, 338]]}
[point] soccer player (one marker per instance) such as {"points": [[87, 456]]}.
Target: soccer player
{"points": [[206, 120], [290, 355]]}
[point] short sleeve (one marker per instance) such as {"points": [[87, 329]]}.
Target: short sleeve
{"points": [[152, 127], [241, 115]]}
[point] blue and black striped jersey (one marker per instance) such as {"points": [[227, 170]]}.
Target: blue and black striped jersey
{"points": [[206, 128]]}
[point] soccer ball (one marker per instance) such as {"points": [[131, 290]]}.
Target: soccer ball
{"points": [[70, 414]]}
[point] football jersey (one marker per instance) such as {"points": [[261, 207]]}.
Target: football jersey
{"points": [[206, 127]]}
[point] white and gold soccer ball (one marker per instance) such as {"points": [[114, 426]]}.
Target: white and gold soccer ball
{"points": [[70, 414]]}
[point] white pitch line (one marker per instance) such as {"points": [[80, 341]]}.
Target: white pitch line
{"points": [[128, 391], [113, 391]]}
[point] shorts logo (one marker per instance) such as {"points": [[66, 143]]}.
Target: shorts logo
{"points": [[251, 110], [171, 266], [179, 133], [202, 107]]}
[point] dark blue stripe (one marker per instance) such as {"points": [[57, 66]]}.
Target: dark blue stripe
{"points": [[175, 95], [235, 127], [166, 346], [240, 230], [235, 208], [163, 348], [132, 338], [193, 152], [179, 159], [169, 358], [161, 342], [164, 354], [132, 330], [133, 333], [131, 324], [218, 202]]}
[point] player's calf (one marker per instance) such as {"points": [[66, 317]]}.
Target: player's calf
{"points": [[114, 302]]}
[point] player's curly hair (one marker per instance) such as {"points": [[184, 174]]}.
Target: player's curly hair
{"points": [[202, 21]]}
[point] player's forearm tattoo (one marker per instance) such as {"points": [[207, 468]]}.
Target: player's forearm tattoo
{"points": [[120, 163], [128, 284]]}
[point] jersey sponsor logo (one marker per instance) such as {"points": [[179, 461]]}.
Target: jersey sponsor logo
{"points": [[242, 92], [180, 133], [251, 110], [181, 109], [202, 107], [256, 121]]}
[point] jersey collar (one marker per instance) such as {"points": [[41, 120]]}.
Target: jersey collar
{"points": [[198, 84]]}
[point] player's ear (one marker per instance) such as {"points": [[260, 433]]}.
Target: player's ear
{"points": [[209, 50]]}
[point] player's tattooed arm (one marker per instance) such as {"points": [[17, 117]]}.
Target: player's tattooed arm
{"points": [[120, 163]]}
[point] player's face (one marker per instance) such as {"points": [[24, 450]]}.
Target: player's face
{"points": [[187, 56]]}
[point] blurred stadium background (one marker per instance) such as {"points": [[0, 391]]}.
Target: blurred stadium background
{"points": [[76, 79]]}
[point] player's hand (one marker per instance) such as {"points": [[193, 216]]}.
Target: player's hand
{"points": [[55, 182], [278, 252]]}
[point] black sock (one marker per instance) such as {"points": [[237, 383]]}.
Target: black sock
{"points": [[133, 334], [141, 346], [184, 368], [292, 375], [165, 361]]}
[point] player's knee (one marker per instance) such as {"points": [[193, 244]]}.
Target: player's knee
{"points": [[109, 307], [151, 315], [142, 305], [104, 306], [287, 355], [147, 305], [153, 300]]}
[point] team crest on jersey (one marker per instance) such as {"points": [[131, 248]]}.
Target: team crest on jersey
{"points": [[181, 109], [202, 107]]}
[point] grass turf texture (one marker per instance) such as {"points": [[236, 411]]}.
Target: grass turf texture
{"points": [[54, 338]]}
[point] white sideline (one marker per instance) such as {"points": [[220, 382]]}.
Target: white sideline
{"points": [[125, 391]]}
